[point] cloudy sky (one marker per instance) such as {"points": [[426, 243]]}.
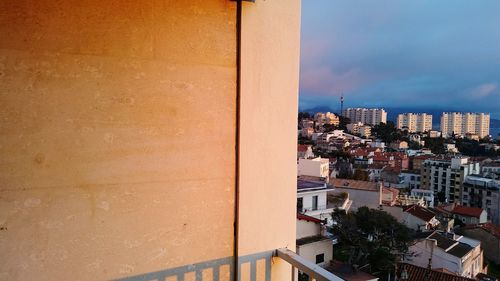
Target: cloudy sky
{"points": [[413, 54]]}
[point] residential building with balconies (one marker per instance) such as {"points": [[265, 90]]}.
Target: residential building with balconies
{"points": [[370, 116], [414, 122], [462, 123], [484, 193], [444, 176]]}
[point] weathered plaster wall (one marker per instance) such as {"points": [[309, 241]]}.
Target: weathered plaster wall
{"points": [[269, 104], [117, 136]]}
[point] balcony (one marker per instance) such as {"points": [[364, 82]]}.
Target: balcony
{"points": [[215, 267]]}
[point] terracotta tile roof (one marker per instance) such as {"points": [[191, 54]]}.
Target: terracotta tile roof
{"points": [[467, 211], [302, 147], [417, 273], [308, 218], [376, 166], [420, 212], [395, 192], [488, 227], [355, 184], [444, 270]]}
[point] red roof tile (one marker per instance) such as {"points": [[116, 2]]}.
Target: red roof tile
{"points": [[467, 211], [420, 212], [417, 273], [302, 147], [308, 218]]}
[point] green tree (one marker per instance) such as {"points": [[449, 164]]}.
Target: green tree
{"points": [[387, 132], [373, 237], [360, 174], [343, 121]]}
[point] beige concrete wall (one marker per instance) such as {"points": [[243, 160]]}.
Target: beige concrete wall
{"points": [[307, 228], [118, 125], [269, 105], [309, 251]]}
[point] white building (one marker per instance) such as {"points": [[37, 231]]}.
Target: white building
{"points": [[419, 218], [491, 170], [362, 193], [415, 122], [410, 179], [483, 193], [313, 243], [458, 254], [359, 128], [426, 195], [315, 167], [370, 116], [326, 118], [312, 200], [462, 123]]}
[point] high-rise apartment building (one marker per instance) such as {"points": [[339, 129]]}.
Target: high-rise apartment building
{"points": [[370, 116], [415, 122], [445, 176], [462, 123]]}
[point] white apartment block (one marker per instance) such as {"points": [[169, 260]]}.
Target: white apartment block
{"points": [[446, 176], [316, 167], [415, 122], [359, 128], [370, 116], [462, 123]]}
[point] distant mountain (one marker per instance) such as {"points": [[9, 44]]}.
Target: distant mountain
{"points": [[322, 108]]}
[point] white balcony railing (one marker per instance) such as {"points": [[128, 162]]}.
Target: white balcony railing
{"points": [[314, 271]]}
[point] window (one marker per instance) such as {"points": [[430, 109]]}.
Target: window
{"points": [[320, 258], [315, 203], [488, 193]]}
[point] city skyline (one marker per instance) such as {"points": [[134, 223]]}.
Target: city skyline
{"points": [[419, 55]]}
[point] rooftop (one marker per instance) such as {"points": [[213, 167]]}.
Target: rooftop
{"points": [[308, 218], [346, 272], [307, 185], [488, 227], [311, 239], [355, 184], [417, 273], [467, 211], [303, 147], [420, 212]]}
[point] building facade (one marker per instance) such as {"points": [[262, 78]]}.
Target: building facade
{"points": [[462, 123], [370, 116], [414, 122], [444, 176], [461, 255], [482, 193], [359, 128]]}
